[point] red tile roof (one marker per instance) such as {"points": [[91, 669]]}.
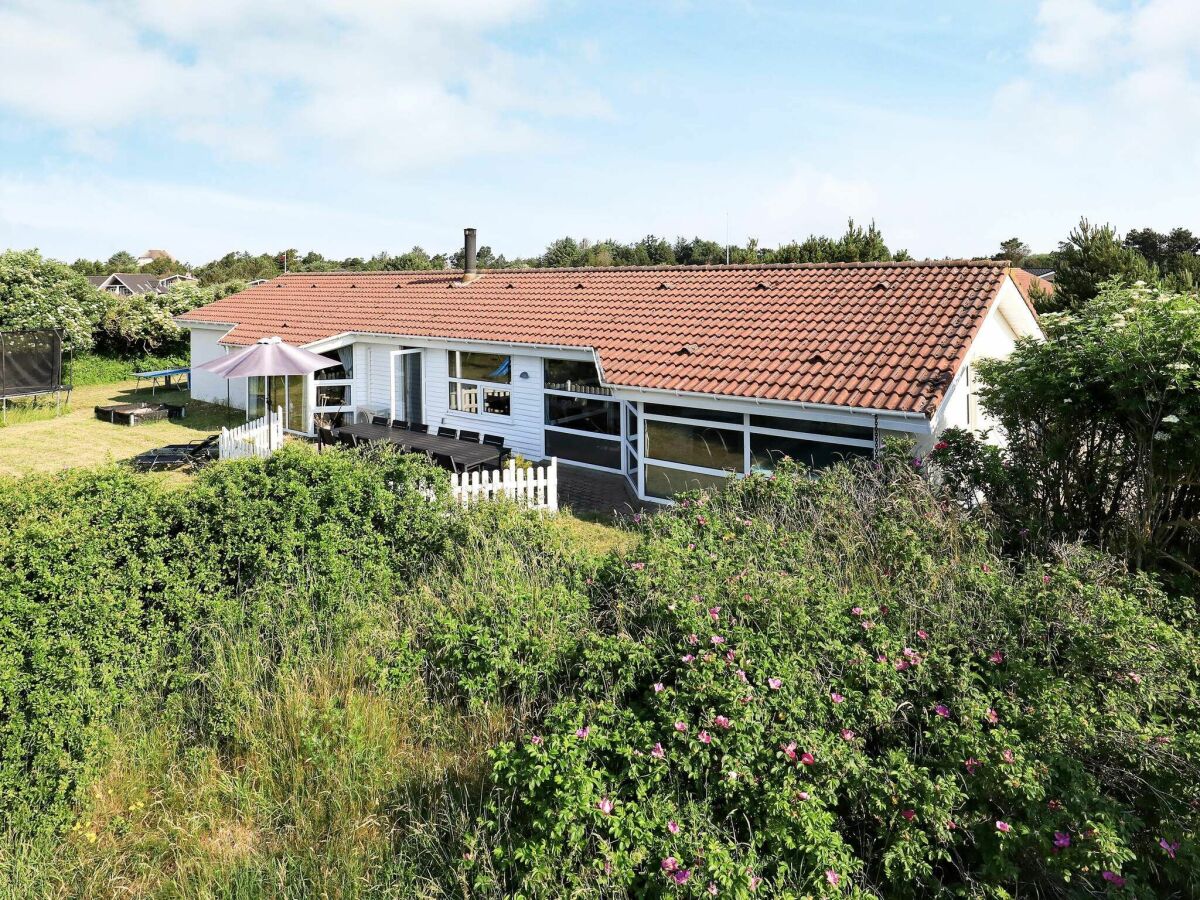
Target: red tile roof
{"points": [[886, 336], [1026, 280]]}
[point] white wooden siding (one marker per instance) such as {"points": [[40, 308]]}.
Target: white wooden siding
{"points": [[206, 346]]}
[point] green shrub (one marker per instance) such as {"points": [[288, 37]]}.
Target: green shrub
{"points": [[102, 368], [110, 586], [841, 682]]}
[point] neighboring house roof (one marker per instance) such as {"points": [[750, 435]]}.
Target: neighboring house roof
{"points": [[1025, 280], [886, 336], [97, 280], [1038, 271], [137, 282]]}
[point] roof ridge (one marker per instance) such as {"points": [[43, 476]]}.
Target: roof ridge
{"points": [[720, 267]]}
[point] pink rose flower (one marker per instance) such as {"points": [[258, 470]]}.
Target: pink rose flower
{"points": [[807, 759], [972, 764], [658, 687], [789, 749], [681, 727], [1062, 840], [682, 876], [996, 658], [658, 752], [837, 698], [536, 740], [714, 612], [582, 733], [832, 877], [992, 716], [704, 737], [1113, 878], [1003, 826], [847, 734], [909, 815], [922, 634], [669, 864], [775, 683], [942, 710], [673, 827], [723, 722], [605, 806]]}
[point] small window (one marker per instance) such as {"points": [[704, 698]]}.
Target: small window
{"points": [[343, 371], [767, 450], [573, 375], [687, 412], [833, 429]]}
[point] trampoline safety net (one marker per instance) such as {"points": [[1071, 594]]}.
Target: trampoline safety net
{"points": [[30, 363]]}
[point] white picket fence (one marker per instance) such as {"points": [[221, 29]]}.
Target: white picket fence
{"points": [[536, 488], [252, 439]]}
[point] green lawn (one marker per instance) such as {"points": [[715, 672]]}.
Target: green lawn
{"points": [[33, 439]]}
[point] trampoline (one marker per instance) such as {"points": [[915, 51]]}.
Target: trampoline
{"points": [[31, 365]]}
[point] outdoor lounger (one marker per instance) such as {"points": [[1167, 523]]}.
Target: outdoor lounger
{"points": [[174, 456]]}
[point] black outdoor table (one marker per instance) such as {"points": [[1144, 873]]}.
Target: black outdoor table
{"points": [[468, 454]]}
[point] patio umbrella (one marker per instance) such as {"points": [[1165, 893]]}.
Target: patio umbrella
{"points": [[269, 357]]}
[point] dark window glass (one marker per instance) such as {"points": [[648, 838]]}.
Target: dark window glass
{"points": [[631, 426], [831, 428], [497, 402], [344, 369], [666, 483], [766, 451], [687, 412], [583, 414], [596, 451], [573, 375], [491, 367], [333, 394], [696, 445]]}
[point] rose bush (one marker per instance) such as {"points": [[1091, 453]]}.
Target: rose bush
{"points": [[834, 685]]}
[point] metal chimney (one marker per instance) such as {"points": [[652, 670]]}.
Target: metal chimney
{"points": [[469, 265]]}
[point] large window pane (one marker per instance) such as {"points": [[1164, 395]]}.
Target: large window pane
{"points": [[766, 451], [835, 429], [573, 375], [631, 424], [687, 412], [596, 451], [255, 407], [696, 445], [666, 483], [295, 403], [583, 414], [492, 367]]}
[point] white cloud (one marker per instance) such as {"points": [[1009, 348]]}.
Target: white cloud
{"points": [[387, 84], [1075, 35]]}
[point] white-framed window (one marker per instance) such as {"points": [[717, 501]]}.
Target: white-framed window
{"points": [[333, 390], [582, 423], [480, 384], [684, 448]]}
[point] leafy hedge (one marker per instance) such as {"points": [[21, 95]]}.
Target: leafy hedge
{"points": [[832, 685], [107, 582]]}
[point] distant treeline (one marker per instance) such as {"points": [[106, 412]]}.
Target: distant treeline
{"points": [[858, 244]]}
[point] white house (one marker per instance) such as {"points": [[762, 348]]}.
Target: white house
{"points": [[671, 376]]}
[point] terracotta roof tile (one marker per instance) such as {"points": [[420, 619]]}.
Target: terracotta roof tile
{"points": [[816, 333]]}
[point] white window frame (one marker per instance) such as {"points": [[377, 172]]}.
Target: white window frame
{"points": [[744, 427], [457, 381], [392, 360], [597, 395], [313, 382]]}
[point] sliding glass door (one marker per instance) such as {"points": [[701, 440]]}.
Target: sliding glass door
{"points": [[407, 386]]}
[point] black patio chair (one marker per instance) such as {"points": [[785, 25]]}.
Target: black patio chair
{"points": [[502, 452], [447, 462], [379, 420], [347, 440], [399, 423], [471, 437], [193, 454], [325, 438], [443, 431], [418, 427]]}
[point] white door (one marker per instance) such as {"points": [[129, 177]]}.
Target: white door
{"points": [[407, 386]]}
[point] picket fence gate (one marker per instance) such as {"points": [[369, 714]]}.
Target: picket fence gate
{"points": [[251, 439], [536, 488]]}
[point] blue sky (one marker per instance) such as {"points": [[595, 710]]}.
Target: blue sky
{"points": [[351, 128]]}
